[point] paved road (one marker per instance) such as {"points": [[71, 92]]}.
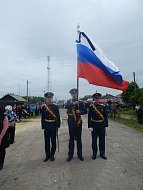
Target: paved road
{"points": [[25, 169]]}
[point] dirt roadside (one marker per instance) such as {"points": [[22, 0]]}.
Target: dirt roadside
{"points": [[24, 167]]}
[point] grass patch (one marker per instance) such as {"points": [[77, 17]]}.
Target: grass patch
{"points": [[129, 122], [128, 111]]}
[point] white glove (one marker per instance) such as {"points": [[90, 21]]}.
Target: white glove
{"points": [[90, 129]]}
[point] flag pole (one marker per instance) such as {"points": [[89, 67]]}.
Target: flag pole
{"points": [[78, 26], [77, 87]]}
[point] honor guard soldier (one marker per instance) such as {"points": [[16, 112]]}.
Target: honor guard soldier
{"points": [[97, 123], [50, 120], [74, 111]]}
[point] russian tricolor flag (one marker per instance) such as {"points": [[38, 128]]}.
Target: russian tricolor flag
{"points": [[94, 66]]}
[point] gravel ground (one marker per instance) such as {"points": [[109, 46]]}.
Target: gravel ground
{"points": [[24, 167]]}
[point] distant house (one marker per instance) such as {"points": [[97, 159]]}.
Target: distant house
{"points": [[107, 97], [89, 100], [12, 99], [119, 99]]}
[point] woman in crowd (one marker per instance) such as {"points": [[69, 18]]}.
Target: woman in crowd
{"points": [[4, 136], [12, 119]]}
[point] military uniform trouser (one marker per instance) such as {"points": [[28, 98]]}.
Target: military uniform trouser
{"points": [[98, 131], [75, 132], [2, 155], [50, 135]]}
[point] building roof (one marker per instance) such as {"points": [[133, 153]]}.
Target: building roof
{"points": [[89, 99], [107, 96], [119, 95], [12, 98]]}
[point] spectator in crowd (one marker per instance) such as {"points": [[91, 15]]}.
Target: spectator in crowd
{"points": [[12, 118], [4, 137]]}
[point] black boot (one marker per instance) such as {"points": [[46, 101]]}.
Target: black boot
{"points": [[81, 158], [46, 159], [52, 158], [69, 158], [94, 157], [103, 157], [1, 166]]}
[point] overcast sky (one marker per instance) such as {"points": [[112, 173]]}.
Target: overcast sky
{"points": [[31, 30]]}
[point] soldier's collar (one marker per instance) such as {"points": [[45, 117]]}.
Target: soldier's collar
{"points": [[48, 104], [73, 100], [95, 104]]}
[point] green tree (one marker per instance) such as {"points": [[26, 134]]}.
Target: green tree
{"points": [[132, 95], [141, 96], [35, 99], [86, 97]]}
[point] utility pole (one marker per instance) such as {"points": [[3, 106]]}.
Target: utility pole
{"points": [[134, 76], [48, 74], [27, 91]]}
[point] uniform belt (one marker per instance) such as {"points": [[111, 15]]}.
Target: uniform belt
{"points": [[97, 121], [50, 121]]}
